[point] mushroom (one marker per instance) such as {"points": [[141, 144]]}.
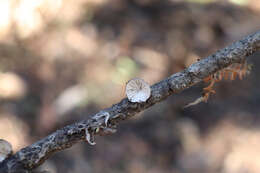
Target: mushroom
{"points": [[5, 149], [137, 90]]}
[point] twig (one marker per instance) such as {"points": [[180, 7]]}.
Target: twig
{"points": [[34, 155]]}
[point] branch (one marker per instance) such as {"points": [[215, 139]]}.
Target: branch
{"points": [[32, 156]]}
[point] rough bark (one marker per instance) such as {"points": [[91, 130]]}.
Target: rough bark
{"points": [[32, 156]]}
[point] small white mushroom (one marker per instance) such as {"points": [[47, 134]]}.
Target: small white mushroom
{"points": [[137, 90], [5, 149]]}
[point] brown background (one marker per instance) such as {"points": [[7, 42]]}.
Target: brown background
{"points": [[61, 61]]}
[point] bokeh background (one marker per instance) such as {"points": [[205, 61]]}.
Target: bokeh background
{"points": [[62, 61]]}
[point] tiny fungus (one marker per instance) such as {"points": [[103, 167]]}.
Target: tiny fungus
{"points": [[137, 90], [5, 149]]}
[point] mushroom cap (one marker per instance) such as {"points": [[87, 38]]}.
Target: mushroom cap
{"points": [[5, 149], [137, 90]]}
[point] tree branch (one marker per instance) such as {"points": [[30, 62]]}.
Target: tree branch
{"points": [[34, 155]]}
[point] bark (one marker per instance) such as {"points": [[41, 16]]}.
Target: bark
{"points": [[34, 155]]}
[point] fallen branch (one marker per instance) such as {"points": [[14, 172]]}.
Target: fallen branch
{"points": [[105, 121]]}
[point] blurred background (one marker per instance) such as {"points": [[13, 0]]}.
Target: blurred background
{"points": [[62, 61]]}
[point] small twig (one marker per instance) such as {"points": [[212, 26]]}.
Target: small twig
{"points": [[35, 154]]}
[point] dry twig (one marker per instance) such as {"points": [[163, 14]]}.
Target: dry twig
{"points": [[32, 156]]}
